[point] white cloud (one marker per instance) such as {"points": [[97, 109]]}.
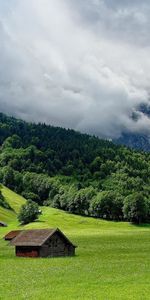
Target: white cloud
{"points": [[83, 65]]}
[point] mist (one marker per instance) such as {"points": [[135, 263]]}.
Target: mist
{"points": [[77, 64]]}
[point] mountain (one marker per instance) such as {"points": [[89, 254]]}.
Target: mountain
{"points": [[135, 141], [139, 141], [75, 172]]}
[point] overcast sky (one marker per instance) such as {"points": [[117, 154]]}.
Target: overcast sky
{"points": [[75, 63]]}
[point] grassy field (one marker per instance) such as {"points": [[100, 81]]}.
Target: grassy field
{"points": [[112, 260]]}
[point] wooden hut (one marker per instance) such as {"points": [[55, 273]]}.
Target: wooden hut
{"points": [[2, 224], [11, 235], [42, 243]]}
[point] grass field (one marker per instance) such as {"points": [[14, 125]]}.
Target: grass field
{"points": [[112, 260]]}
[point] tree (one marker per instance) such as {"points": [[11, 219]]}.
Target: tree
{"points": [[95, 165], [29, 212], [32, 196], [135, 208], [107, 205], [79, 204], [8, 177], [13, 141]]}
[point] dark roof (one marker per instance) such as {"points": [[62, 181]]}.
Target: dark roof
{"points": [[3, 224], [11, 235], [36, 237]]}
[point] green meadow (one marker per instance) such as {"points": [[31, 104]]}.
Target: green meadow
{"points": [[112, 260]]}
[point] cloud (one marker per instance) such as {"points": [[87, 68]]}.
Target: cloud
{"points": [[76, 64]]}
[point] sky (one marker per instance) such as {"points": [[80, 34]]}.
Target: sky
{"points": [[76, 64]]}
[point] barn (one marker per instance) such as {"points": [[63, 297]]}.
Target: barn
{"points": [[2, 224], [42, 243], [11, 235]]}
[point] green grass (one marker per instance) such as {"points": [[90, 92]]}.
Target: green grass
{"points": [[112, 261], [13, 199]]}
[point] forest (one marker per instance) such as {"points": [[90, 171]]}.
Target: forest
{"points": [[75, 172]]}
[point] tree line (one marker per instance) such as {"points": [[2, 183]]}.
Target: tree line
{"points": [[74, 172]]}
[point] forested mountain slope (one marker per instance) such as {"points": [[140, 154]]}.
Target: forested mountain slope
{"points": [[75, 172]]}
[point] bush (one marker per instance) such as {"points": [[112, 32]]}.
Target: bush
{"points": [[29, 212]]}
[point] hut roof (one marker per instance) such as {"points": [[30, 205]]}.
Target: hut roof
{"points": [[36, 237], [11, 235]]}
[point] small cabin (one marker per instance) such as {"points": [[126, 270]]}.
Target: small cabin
{"points": [[2, 224], [42, 243], [11, 235]]}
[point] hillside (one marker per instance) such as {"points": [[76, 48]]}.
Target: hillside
{"points": [[112, 260], [74, 172], [14, 200], [9, 216]]}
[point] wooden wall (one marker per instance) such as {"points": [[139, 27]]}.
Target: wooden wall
{"points": [[27, 251], [57, 246]]}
